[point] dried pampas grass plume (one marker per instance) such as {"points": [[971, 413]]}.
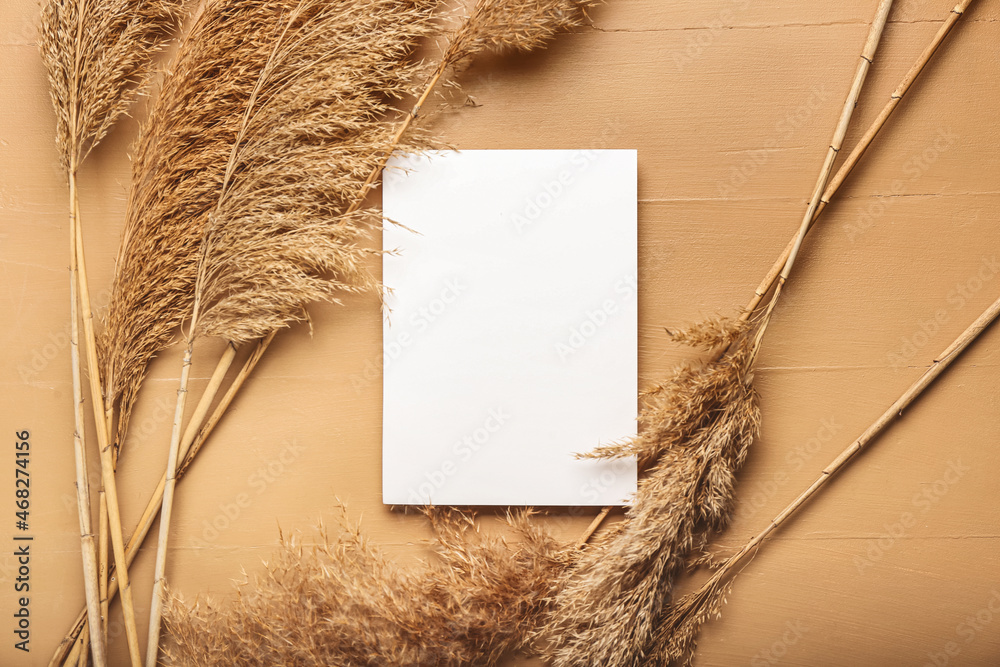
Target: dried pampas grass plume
{"points": [[343, 602], [276, 234], [695, 431], [514, 25], [97, 52], [324, 135]]}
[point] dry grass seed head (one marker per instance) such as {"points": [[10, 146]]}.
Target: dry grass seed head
{"points": [[305, 152], [96, 63], [514, 25], [695, 432], [343, 602]]}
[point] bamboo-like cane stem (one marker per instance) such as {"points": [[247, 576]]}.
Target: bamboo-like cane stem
{"points": [[197, 434], [190, 445], [866, 59], [834, 184], [893, 412], [107, 460], [159, 581], [74, 655], [84, 650], [864, 63], [102, 559], [88, 551], [859, 150]]}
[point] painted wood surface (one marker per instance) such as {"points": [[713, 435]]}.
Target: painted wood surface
{"points": [[731, 104]]}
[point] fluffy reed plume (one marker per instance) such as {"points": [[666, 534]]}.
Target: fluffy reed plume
{"points": [[96, 53], [278, 235], [344, 602], [303, 153], [695, 430], [175, 178], [514, 25]]}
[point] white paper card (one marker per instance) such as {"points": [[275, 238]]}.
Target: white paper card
{"points": [[511, 343]]}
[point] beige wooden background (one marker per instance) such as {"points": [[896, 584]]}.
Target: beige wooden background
{"points": [[731, 104]]}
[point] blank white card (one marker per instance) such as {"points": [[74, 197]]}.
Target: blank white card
{"points": [[511, 341]]}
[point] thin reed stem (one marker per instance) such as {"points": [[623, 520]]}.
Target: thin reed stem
{"points": [[159, 579], [859, 150], [834, 185], [866, 59], [91, 577], [102, 559], [107, 460], [689, 608]]}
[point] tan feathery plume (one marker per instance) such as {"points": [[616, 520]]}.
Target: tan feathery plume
{"points": [[152, 292], [676, 638], [697, 429], [344, 602], [96, 54], [276, 236], [181, 161]]}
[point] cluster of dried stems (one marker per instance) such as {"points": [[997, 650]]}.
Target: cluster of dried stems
{"points": [[695, 432], [343, 602], [248, 181], [246, 205], [96, 54]]}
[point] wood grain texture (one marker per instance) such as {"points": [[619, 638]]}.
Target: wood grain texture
{"points": [[731, 105]]}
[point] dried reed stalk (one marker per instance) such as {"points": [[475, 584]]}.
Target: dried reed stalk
{"points": [[91, 577], [497, 26], [343, 602], [865, 62], [833, 186], [695, 431], [276, 237], [677, 636], [862, 146], [95, 54]]}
